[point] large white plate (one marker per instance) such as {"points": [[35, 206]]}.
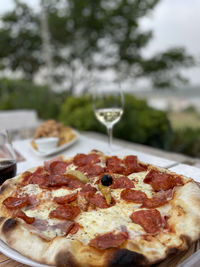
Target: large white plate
{"points": [[57, 149], [13, 254]]}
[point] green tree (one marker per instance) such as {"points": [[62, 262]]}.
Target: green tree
{"points": [[88, 36], [21, 94], [20, 46]]}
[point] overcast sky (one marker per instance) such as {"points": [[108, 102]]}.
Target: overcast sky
{"points": [[174, 23]]}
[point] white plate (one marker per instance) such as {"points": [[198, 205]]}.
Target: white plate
{"points": [[57, 149], [13, 254]]}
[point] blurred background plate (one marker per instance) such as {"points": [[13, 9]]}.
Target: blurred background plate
{"points": [[57, 149]]}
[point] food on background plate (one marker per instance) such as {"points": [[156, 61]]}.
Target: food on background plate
{"points": [[96, 210], [51, 128]]}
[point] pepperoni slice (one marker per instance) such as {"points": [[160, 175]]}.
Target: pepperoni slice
{"points": [[83, 159], [16, 202], [136, 196], [27, 176], [40, 177], [85, 194], [91, 170], [158, 200], [115, 165], [67, 212], [58, 167], [74, 229], [87, 191], [20, 214], [74, 183], [40, 171], [42, 181], [122, 182], [80, 160], [88, 188], [57, 180], [95, 170], [47, 163], [46, 181], [132, 165], [98, 201], [65, 180], [140, 197], [66, 199], [162, 181], [150, 220], [109, 240]]}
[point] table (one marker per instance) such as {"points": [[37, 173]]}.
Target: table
{"points": [[83, 145]]}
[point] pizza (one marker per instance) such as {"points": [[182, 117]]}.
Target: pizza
{"points": [[97, 210]]}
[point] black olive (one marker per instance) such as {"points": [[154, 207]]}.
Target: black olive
{"points": [[106, 180]]}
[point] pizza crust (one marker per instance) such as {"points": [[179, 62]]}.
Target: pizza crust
{"points": [[185, 212], [61, 251]]}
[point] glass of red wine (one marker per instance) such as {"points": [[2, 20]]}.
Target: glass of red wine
{"points": [[8, 166]]}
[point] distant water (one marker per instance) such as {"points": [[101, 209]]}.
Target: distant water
{"points": [[175, 99], [192, 92]]}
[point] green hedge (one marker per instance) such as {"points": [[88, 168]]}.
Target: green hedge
{"points": [[139, 122], [20, 94], [186, 141]]}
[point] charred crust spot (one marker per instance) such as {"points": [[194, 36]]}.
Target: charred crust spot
{"points": [[187, 239], [9, 225], [65, 259], [2, 219], [127, 258], [171, 251], [3, 187]]}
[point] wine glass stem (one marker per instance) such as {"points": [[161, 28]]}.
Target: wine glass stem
{"points": [[110, 135]]}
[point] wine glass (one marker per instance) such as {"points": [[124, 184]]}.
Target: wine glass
{"points": [[108, 102], [8, 166]]}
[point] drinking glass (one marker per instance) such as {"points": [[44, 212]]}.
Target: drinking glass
{"points": [[108, 102], [8, 166]]}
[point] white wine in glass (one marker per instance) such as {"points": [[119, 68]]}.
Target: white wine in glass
{"points": [[108, 102]]}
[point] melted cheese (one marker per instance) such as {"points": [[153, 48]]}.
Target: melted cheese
{"points": [[31, 189], [101, 164], [165, 209], [139, 184], [102, 221], [61, 192], [41, 212], [71, 167], [116, 193]]}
